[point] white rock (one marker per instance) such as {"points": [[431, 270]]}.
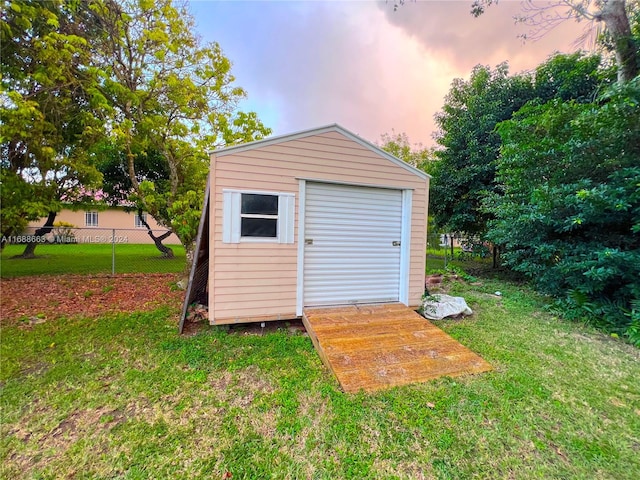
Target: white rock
{"points": [[437, 307]]}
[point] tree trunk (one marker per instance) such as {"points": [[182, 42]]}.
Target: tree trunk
{"points": [[614, 16], [29, 251], [190, 254], [166, 251], [495, 257]]}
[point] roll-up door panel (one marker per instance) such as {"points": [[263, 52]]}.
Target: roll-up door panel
{"points": [[352, 244]]}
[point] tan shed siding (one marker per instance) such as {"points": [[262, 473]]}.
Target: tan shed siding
{"points": [[284, 161], [254, 280]]}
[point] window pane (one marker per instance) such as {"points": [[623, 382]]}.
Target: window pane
{"points": [[91, 219], [259, 227], [259, 204]]}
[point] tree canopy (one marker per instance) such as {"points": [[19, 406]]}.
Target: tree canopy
{"points": [[123, 89], [174, 100], [465, 169], [464, 173], [546, 166], [399, 145], [569, 211], [49, 119]]}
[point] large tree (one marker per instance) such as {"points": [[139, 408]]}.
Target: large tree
{"points": [[50, 117], [464, 174], [464, 171], [569, 210], [173, 99]]}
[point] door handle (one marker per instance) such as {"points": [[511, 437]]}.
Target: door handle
{"points": [[308, 241], [396, 243]]}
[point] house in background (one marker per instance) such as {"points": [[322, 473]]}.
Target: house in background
{"points": [[315, 218], [97, 226]]}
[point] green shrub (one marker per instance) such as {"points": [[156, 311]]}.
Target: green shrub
{"points": [[569, 213]]}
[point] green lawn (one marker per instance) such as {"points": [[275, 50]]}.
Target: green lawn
{"points": [[126, 397], [86, 258]]}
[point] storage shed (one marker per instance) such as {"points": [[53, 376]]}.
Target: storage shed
{"points": [[315, 218]]}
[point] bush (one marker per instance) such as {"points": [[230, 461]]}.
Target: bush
{"points": [[63, 233], [569, 213]]}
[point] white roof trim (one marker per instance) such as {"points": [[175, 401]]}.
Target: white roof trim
{"points": [[318, 131]]}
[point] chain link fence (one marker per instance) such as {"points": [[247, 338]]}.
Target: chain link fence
{"points": [[91, 250]]}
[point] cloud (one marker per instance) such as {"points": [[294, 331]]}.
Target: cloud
{"points": [[361, 64], [447, 30]]}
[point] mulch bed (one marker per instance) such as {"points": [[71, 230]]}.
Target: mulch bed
{"points": [[42, 298]]}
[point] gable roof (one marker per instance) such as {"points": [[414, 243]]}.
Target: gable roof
{"points": [[318, 131]]}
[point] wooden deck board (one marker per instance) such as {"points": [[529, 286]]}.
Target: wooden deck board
{"points": [[372, 347]]}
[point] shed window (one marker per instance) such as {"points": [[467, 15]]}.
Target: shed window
{"points": [[257, 217]]}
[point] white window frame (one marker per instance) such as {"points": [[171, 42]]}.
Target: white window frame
{"points": [[136, 220], [89, 218], [232, 217]]}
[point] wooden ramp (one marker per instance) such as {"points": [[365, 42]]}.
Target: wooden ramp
{"points": [[372, 347]]}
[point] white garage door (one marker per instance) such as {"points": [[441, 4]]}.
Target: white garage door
{"points": [[352, 244]]}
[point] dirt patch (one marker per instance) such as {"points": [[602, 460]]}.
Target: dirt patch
{"points": [[31, 300], [294, 326], [241, 386]]}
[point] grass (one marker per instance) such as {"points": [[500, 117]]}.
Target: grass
{"points": [[126, 397], [85, 258]]}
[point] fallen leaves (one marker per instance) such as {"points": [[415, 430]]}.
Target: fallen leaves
{"points": [[197, 313], [44, 298]]}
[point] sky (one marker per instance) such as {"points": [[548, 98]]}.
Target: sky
{"points": [[360, 64]]}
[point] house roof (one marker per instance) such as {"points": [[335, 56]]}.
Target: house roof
{"points": [[318, 131]]}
